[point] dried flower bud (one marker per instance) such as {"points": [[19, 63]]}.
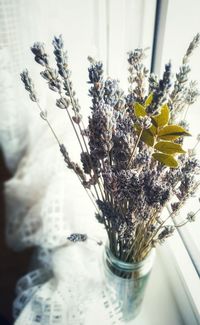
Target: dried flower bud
{"points": [[64, 151], [43, 115], [95, 72], [136, 57], [46, 74], [52, 77], [152, 228], [40, 54], [99, 217], [192, 93], [62, 60], [62, 103], [167, 232], [144, 122], [153, 82], [191, 216], [77, 237], [77, 119], [86, 161], [194, 44], [85, 132], [175, 206], [58, 42]]}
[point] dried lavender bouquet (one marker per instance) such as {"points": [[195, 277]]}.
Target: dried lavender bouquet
{"points": [[133, 162]]}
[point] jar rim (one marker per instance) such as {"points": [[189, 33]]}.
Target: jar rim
{"points": [[127, 266]]}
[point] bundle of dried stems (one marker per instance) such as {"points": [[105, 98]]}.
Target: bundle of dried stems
{"points": [[133, 163]]}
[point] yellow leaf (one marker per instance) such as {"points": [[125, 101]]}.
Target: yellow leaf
{"points": [[149, 100], [169, 147], [169, 137], [172, 132], [139, 110], [153, 129], [147, 137], [161, 119], [167, 160]]}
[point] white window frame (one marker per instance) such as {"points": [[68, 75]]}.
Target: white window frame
{"points": [[179, 255]]}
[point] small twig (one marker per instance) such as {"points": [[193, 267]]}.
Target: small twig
{"points": [[134, 149]]}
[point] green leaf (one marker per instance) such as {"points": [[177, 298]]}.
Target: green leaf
{"points": [[153, 130], [139, 110], [172, 132], [167, 160], [169, 147], [161, 119], [149, 100], [147, 137]]}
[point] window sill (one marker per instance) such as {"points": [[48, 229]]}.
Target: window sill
{"points": [[183, 279]]}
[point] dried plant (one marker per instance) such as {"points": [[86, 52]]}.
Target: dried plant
{"points": [[133, 162]]}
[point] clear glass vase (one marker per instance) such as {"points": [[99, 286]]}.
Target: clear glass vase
{"points": [[126, 282]]}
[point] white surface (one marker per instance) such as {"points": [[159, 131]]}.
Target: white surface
{"points": [[75, 295], [183, 279]]}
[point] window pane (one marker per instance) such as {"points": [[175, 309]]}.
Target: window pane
{"points": [[182, 24]]}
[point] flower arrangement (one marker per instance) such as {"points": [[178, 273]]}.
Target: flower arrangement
{"points": [[132, 156]]}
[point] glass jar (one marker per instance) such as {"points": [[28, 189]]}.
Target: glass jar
{"points": [[125, 283]]}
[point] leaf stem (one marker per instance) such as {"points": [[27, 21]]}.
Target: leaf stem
{"points": [[135, 147]]}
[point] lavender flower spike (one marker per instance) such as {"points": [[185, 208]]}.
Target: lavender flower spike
{"points": [[29, 86], [77, 237]]}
